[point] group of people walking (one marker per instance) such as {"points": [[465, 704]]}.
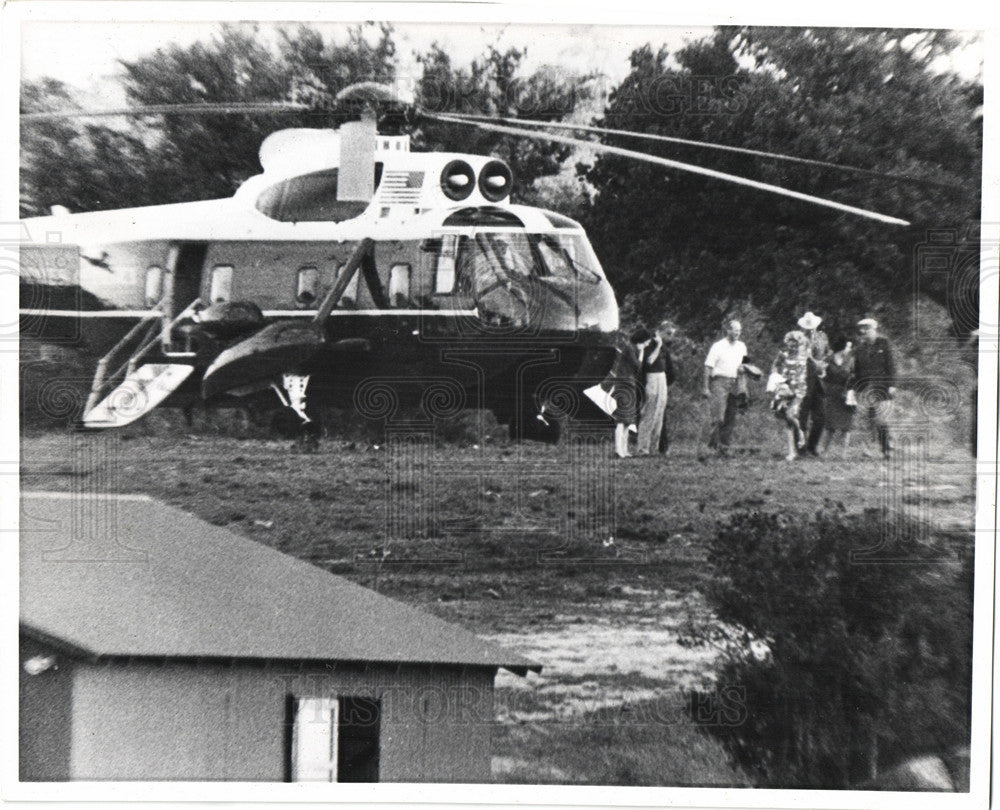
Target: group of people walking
{"points": [[816, 386]]}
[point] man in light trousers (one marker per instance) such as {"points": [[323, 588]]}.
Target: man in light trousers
{"points": [[655, 402]]}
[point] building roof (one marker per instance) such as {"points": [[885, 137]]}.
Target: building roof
{"points": [[129, 576]]}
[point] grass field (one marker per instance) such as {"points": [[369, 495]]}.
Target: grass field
{"points": [[591, 566]]}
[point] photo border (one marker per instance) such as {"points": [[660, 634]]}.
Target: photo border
{"points": [[16, 13]]}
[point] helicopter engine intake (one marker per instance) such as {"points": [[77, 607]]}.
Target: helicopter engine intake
{"points": [[496, 181], [457, 180]]}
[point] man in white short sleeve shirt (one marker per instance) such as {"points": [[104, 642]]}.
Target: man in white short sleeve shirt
{"points": [[721, 368]]}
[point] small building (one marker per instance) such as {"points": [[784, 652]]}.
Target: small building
{"points": [[155, 646]]}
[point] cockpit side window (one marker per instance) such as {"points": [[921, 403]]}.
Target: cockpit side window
{"points": [[554, 260], [568, 256], [399, 284], [154, 285], [444, 271]]}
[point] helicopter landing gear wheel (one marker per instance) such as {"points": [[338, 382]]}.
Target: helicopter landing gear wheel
{"points": [[309, 435], [292, 421], [286, 423]]}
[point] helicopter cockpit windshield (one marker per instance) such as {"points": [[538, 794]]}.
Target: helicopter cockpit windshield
{"points": [[518, 277]]}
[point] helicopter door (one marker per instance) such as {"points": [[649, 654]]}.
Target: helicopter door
{"points": [[184, 277]]}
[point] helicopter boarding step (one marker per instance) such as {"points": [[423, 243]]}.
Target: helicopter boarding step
{"points": [[142, 390]]}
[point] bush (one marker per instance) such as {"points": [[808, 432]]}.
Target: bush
{"points": [[54, 385], [846, 663]]}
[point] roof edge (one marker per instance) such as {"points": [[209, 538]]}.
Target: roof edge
{"points": [[69, 648], [59, 643]]}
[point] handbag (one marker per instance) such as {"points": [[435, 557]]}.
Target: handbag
{"points": [[851, 399]]}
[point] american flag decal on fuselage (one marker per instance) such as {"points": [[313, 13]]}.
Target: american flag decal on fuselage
{"points": [[401, 187]]}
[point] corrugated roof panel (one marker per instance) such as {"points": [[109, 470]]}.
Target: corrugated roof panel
{"points": [[130, 576]]}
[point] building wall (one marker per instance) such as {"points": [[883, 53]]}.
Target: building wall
{"points": [[44, 716], [144, 720]]}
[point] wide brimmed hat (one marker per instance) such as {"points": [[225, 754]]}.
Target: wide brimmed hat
{"points": [[810, 321], [868, 322]]}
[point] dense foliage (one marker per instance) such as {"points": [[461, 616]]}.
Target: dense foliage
{"points": [[854, 643], [496, 86], [699, 248]]}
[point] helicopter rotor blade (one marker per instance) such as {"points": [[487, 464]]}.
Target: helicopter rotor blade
{"points": [[670, 164], [359, 94], [647, 136], [208, 108]]}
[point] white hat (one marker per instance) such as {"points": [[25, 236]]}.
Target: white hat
{"points": [[868, 322], [809, 321]]}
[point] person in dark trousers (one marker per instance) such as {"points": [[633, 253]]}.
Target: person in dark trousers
{"points": [[722, 366], [625, 384], [667, 331], [839, 380], [875, 379], [812, 410]]}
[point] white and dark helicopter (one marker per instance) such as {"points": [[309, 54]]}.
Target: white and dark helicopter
{"points": [[352, 271]]}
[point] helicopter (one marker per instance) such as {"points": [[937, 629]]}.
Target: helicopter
{"points": [[351, 272]]}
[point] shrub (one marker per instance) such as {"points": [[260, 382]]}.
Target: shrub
{"points": [[845, 663]]}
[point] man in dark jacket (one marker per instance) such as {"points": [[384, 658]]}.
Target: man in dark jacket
{"points": [[875, 378], [667, 331], [812, 410]]}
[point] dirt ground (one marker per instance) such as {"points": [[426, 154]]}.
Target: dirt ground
{"points": [[591, 566]]}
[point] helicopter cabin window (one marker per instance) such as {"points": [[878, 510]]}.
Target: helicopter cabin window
{"points": [[444, 273], [349, 300], [154, 285], [307, 287], [221, 288], [399, 285]]}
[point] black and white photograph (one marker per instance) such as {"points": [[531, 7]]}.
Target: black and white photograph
{"points": [[497, 404]]}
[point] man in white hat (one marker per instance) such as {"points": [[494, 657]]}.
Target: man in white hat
{"points": [[875, 378], [812, 411]]}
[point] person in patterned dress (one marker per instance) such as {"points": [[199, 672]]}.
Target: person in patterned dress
{"points": [[791, 366]]}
